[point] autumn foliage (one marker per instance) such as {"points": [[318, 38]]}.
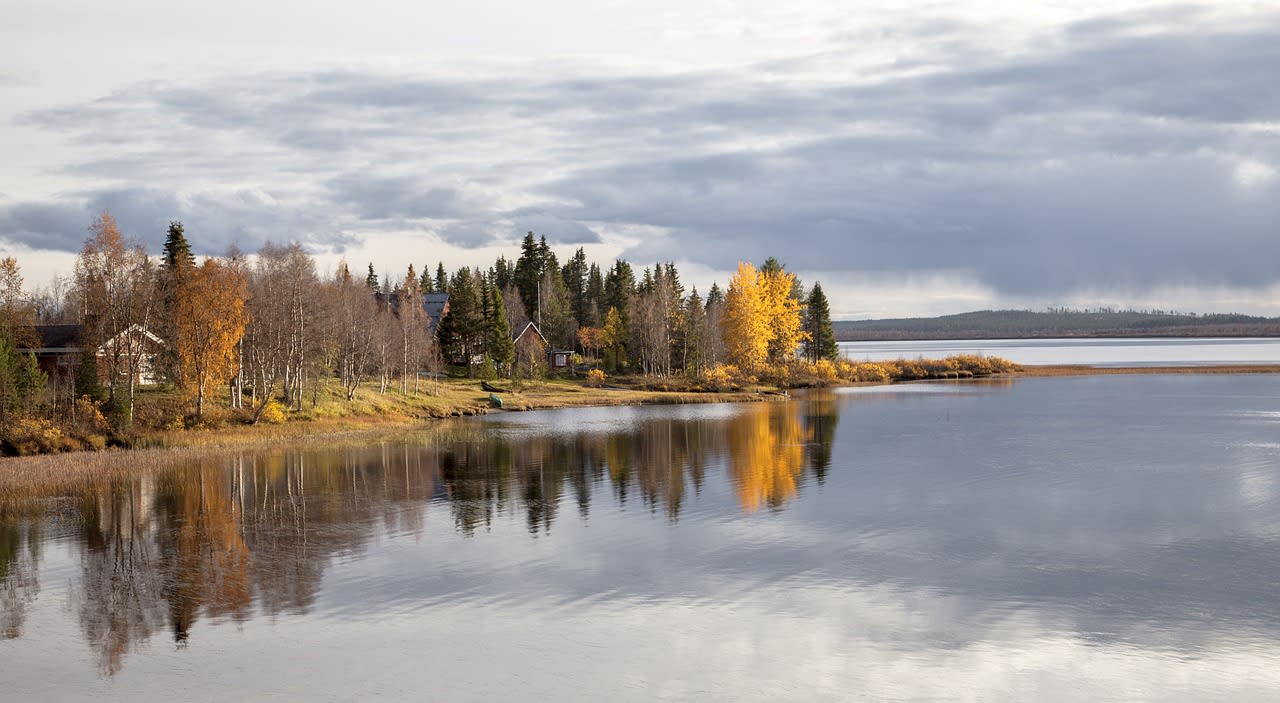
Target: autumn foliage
{"points": [[762, 319]]}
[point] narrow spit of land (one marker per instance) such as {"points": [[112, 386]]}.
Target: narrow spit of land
{"points": [[1085, 370]]}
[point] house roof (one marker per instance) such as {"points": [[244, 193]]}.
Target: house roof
{"points": [[59, 336], [436, 305], [66, 338], [536, 331]]}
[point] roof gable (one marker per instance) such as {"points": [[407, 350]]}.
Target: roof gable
{"points": [[534, 328]]}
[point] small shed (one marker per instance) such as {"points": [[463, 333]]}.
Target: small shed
{"points": [[560, 359]]}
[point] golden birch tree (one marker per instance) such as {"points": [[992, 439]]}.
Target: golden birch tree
{"points": [[784, 312], [745, 326], [210, 321]]}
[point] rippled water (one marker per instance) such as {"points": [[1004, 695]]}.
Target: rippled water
{"points": [[1119, 352], [1104, 538]]}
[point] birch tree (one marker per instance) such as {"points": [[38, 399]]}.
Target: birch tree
{"points": [[210, 322], [116, 284]]}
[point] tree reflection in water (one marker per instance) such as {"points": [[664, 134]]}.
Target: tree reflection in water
{"points": [[232, 538], [19, 580]]}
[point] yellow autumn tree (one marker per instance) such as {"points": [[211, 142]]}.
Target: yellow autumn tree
{"points": [[745, 326], [210, 320], [784, 313], [762, 318]]}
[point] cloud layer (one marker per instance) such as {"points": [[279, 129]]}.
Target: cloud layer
{"points": [[1125, 152]]}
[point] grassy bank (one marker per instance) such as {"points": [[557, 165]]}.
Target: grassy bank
{"points": [[161, 419]]}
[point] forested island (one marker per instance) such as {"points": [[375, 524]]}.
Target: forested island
{"points": [[1022, 324], [136, 349]]}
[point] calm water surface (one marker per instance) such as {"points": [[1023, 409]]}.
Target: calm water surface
{"points": [[1108, 538], [1146, 351]]}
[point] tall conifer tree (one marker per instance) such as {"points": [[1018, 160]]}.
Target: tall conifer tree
{"points": [[822, 339]]}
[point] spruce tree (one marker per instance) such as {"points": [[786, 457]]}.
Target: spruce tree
{"points": [[177, 251], [575, 280], [715, 296], [442, 279], [371, 280], [595, 306], [501, 347], [619, 284], [463, 330], [527, 275], [822, 339]]}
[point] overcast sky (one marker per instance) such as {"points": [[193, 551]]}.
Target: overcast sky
{"points": [[916, 157]]}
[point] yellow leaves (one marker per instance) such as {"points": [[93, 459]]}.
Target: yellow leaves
{"points": [[210, 320], [762, 318], [720, 377], [746, 328], [784, 315], [766, 456], [614, 331]]}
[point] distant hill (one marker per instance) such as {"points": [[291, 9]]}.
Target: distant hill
{"points": [[1015, 324]]}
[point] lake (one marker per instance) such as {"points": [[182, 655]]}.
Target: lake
{"points": [[1081, 538], [1117, 352]]}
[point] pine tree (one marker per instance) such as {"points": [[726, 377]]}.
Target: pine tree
{"points": [[442, 279], [575, 281], [557, 323], [463, 330], [177, 251], [527, 275], [501, 347], [693, 324], [619, 285], [715, 296], [371, 280], [503, 273], [822, 339], [546, 257], [594, 297]]}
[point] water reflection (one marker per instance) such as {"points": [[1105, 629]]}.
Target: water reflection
{"points": [[228, 539], [1074, 538], [19, 581]]}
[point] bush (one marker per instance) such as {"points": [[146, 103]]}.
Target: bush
{"points": [[94, 442], [30, 435], [824, 372], [595, 378], [721, 377], [273, 414]]}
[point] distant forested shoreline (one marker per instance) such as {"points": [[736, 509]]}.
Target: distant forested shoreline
{"points": [[1022, 324]]}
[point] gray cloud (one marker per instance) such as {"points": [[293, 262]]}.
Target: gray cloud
{"points": [[1103, 156], [557, 230], [214, 221], [468, 235]]}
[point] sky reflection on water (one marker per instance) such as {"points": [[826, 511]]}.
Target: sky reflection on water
{"points": [[1058, 539]]}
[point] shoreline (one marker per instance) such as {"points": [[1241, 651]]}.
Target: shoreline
{"points": [[166, 447], [1048, 370]]}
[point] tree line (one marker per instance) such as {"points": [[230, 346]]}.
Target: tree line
{"points": [[267, 331]]}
